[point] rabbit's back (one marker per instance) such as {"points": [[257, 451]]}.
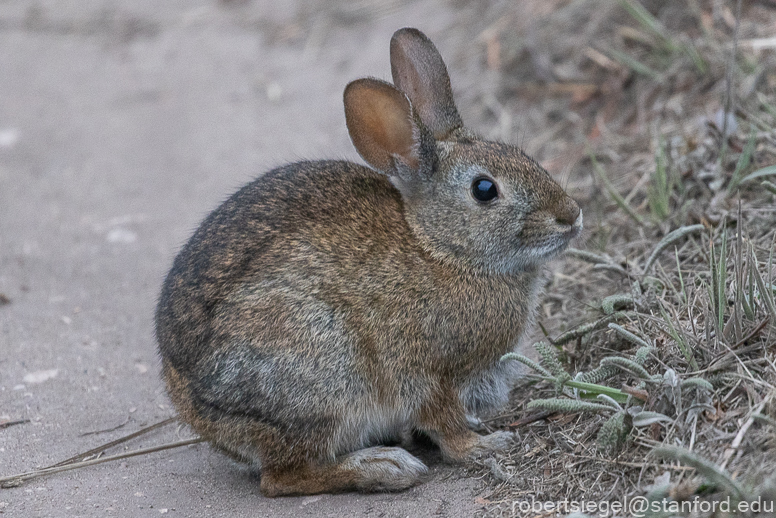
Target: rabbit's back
{"points": [[295, 224]]}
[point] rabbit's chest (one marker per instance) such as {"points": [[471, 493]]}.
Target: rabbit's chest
{"points": [[478, 320], [472, 332]]}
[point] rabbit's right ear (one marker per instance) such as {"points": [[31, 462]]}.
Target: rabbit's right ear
{"points": [[382, 126], [419, 71]]}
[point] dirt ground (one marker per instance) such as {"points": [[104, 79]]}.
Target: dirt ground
{"points": [[122, 123]]}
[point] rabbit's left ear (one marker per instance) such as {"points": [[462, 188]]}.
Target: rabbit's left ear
{"points": [[419, 71], [384, 129]]}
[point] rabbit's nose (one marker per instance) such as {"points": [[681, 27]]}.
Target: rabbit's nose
{"points": [[567, 212]]}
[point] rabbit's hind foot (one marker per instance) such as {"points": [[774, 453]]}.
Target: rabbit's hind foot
{"points": [[373, 469]]}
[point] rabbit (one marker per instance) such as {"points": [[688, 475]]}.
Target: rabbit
{"points": [[326, 309]]}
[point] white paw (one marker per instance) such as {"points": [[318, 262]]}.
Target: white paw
{"points": [[384, 469], [475, 423], [494, 442]]}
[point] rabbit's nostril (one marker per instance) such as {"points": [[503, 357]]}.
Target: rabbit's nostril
{"points": [[567, 212]]}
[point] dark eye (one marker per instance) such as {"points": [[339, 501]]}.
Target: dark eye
{"points": [[484, 190]]}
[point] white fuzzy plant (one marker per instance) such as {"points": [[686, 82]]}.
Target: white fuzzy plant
{"points": [[574, 394]]}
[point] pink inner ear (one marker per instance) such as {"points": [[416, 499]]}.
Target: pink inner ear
{"points": [[379, 119], [397, 135]]}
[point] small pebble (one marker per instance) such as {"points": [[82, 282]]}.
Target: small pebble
{"points": [[274, 92], [8, 137], [121, 235], [39, 376]]}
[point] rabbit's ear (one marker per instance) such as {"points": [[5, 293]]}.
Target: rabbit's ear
{"points": [[419, 71], [382, 126]]}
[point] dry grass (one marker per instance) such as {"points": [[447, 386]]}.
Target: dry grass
{"points": [[634, 96]]}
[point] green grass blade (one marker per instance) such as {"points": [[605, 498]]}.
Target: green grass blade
{"points": [[765, 295], [692, 52], [765, 171], [659, 191], [711, 471], [681, 279], [713, 291], [722, 279], [649, 22], [743, 162], [667, 240], [634, 64], [680, 342], [769, 186]]}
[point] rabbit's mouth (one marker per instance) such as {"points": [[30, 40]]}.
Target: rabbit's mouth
{"points": [[530, 257], [573, 230], [577, 226], [556, 243], [565, 233]]}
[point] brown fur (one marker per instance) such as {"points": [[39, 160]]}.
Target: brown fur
{"points": [[326, 308]]}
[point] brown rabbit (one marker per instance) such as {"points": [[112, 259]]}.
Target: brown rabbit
{"points": [[326, 307]]}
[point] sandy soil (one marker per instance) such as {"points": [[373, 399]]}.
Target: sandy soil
{"points": [[122, 123]]}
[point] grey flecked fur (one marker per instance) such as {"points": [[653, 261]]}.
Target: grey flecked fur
{"points": [[326, 307]]}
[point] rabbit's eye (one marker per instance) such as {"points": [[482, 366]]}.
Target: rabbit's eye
{"points": [[484, 189]]}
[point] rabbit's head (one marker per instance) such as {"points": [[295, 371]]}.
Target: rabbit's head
{"points": [[479, 204]]}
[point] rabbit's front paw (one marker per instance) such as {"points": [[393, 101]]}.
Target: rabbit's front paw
{"points": [[492, 443], [475, 423], [467, 447], [384, 469]]}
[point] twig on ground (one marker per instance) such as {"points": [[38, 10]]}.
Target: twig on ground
{"points": [[8, 424], [113, 429], [741, 432], [530, 419], [16, 480], [99, 449]]}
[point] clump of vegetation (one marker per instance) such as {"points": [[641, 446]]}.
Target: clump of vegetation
{"points": [[655, 370]]}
